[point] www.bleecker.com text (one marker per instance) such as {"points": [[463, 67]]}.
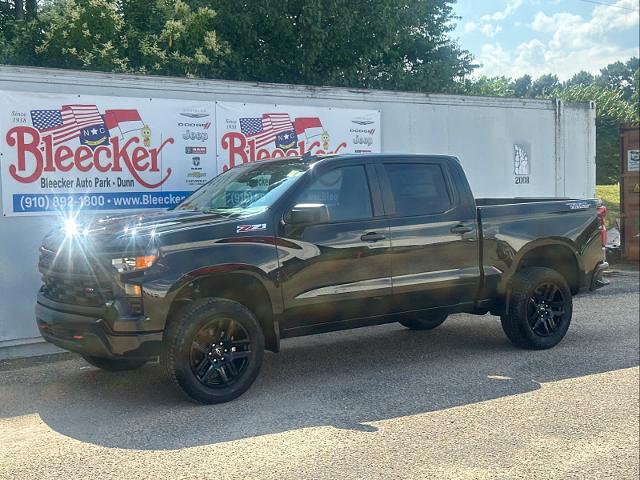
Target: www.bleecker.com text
{"points": [[96, 182]]}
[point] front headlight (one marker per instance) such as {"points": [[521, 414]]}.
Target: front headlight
{"points": [[133, 264]]}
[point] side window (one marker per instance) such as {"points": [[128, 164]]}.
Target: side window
{"points": [[345, 192], [418, 188]]}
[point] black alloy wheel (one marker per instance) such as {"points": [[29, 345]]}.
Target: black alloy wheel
{"points": [[546, 309], [220, 352], [213, 350], [539, 308]]}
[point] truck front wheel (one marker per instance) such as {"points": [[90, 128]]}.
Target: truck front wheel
{"points": [[213, 350], [539, 309]]}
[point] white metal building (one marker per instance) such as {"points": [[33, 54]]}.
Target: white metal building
{"points": [[498, 141]]}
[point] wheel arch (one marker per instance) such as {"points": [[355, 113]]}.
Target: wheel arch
{"points": [[556, 255], [242, 285]]}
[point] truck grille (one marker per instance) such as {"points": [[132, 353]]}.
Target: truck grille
{"points": [[75, 291], [73, 281]]}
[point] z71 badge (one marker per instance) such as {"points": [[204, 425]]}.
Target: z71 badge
{"points": [[251, 228]]}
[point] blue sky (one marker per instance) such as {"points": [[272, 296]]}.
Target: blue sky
{"points": [[513, 37]]}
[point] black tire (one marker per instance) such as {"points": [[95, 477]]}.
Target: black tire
{"points": [[112, 365], [423, 322], [540, 307], [213, 350]]}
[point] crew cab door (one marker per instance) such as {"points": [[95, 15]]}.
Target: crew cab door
{"points": [[338, 269], [434, 238]]}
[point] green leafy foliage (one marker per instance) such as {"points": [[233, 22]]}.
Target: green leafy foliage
{"points": [[487, 87], [610, 195], [352, 43]]}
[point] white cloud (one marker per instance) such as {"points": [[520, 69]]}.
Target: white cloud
{"points": [[469, 26], [490, 30], [487, 24], [574, 43], [510, 9]]}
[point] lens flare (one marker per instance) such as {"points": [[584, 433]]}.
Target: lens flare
{"points": [[71, 227]]}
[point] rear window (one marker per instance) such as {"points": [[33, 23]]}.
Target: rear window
{"points": [[418, 188]]}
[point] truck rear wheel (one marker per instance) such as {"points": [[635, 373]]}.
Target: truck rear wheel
{"points": [[539, 310], [423, 321], [213, 350], [114, 365]]}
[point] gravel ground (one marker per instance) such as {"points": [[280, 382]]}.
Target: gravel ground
{"points": [[380, 402]]}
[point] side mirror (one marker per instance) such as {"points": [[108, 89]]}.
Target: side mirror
{"points": [[307, 213]]}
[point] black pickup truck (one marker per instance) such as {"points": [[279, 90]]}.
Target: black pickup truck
{"points": [[297, 246]]}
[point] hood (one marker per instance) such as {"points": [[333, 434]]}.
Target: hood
{"points": [[137, 233]]}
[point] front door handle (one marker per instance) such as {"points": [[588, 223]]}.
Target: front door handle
{"points": [[372, 237], [461, 229]]}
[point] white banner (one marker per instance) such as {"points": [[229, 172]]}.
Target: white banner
{"points": [[249, 132], [92, 153]]}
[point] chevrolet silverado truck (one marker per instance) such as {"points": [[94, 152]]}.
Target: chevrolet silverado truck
{"points": [[303, 245]]}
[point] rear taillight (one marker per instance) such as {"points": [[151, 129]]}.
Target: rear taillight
{"points": [[602, 215]]}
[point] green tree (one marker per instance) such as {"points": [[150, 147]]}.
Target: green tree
{"points": [[352, 43], [619, 76], [544, 86], [82, 35], [522, 86], [487, 87], [580, 78], [155, 36]]}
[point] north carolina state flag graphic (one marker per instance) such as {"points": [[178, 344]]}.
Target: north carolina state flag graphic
{"points": [[302, 124], [125, 120]]}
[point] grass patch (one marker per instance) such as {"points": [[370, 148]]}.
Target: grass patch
{"points": [[610, 195]]}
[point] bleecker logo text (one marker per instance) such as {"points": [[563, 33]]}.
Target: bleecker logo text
{"points": [[37, 154]]}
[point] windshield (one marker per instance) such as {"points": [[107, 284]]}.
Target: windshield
{"points": [[245, 189]]}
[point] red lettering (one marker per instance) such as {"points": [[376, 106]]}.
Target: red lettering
{"points": [[252, 151], [63, 154], [342, 145], [16, 137], [48, 148], [83, 153], [277, 153], [139, 154], [121, 152], [155, 152], [263, 154], [96, 159], [236, 143]]}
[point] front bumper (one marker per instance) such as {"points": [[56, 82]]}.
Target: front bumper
{"points": [[87, 331], [597, 277]]}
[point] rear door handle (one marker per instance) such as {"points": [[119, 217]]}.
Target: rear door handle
{"points": [[372, 237], [461, 229]]}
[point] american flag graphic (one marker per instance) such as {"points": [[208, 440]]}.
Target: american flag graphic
{"points": [[66, 123], [265, 129]]}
